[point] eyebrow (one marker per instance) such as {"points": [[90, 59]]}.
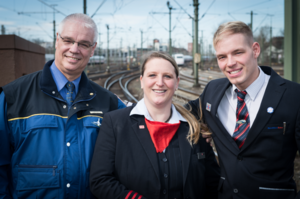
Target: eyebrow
{"points": [[82, 41], [236, 50]]}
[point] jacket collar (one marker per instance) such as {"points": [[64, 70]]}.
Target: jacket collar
{"points": [[273, 94], [274, 91], [47, 84]]}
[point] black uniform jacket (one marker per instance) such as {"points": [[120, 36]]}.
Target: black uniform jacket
{"points": [[264, 166], [125, 160]]}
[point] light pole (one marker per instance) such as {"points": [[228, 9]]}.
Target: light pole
{"points": [[195, 43], [107, 51], [170, 40]]}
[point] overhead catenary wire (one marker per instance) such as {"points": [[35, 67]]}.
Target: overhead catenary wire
{"points": [[52, 7], [98, 8], [207, 9]]}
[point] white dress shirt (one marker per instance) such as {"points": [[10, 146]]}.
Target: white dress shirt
{"points": [[227, 108], [141, 109]]}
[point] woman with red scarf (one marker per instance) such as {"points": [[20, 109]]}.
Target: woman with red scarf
{"points": [[153, 149]]}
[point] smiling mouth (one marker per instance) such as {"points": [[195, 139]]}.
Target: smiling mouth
{"points": [[160, 91], [74, 58], [234, 72]]}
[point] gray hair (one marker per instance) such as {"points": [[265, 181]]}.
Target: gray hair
{"points": [[88, 22]]}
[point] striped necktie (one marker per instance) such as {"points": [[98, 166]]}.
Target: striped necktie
{"points": [[70, 86], [242, 119]]}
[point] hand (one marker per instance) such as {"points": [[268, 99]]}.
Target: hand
{"points": [[207, 135]]}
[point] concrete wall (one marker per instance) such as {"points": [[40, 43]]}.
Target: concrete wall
{"points": [[19, 57]]}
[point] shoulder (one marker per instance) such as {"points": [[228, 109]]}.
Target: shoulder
{"points": [[21, 84], [99, 89], [24, 80], [217, 82], [119, 113]]}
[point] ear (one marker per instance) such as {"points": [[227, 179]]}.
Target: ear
{"points": [[141, 80], [256, 49], [56, 40], [93, 49], [178, 79]]}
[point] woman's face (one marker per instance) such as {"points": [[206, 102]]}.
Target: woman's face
{"points": [[159, 82]]}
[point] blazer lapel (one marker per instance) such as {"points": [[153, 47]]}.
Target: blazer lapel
{"points": [[272, 97], [140, 129], [215, 100], [185, 149]]}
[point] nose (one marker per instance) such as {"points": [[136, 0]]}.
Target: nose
{"points": [[159, 81], [230, 61], [74, 48]]}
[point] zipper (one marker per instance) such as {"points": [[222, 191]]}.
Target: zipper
{"points": [[40, 166]]}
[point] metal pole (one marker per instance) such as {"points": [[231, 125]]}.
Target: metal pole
{"points": [[251, 14], [193, 46], [170, 38], [54, 31], [107, 50], [141, 46], [270, 58], [84, 6], [196, 46]]}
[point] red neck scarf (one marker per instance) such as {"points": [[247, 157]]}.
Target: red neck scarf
{"points": [[161, 133]]}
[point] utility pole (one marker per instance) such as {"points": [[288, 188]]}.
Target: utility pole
{"points": [[2, 30], [54, 31], [251, 19], [99, 44], [270, 58], [195, 43], [170, 39], [141, 45], [84, 6], [107, 51]]}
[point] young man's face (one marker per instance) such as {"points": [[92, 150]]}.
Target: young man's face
{"points": [[237, 59]]}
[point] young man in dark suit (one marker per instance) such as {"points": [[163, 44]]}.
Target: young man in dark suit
{"points": [[254, 115]]}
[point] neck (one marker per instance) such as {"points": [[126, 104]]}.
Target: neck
{"points": [[160, 114]]}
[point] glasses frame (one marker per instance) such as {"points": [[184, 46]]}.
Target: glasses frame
{"points": [[79, 44]]}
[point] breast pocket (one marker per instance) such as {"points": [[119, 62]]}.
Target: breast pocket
{"points": [[276, 193], [38, 181]]}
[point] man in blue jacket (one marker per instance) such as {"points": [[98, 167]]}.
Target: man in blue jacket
{"points": [[49, 120]]}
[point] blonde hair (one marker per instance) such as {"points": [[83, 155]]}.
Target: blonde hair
{"points": [[194, 125], [233, 27]]}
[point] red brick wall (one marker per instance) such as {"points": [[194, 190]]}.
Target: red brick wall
{"points": [[18, 57]]}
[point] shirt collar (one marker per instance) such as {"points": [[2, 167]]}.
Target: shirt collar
{"points": [[252, 90], [60, 79], [141, 109]]}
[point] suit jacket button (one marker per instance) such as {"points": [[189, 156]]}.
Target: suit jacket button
{"points": [[240, 158], [235, 190]]}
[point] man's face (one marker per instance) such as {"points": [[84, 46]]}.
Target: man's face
{"points": [[70, 58], [237, 59]]}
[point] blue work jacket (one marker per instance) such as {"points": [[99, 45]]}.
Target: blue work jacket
{"points": [[46, 145]]}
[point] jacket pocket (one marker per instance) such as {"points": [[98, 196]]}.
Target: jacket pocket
{"points": [[38, 181], [276, 193], [38, 122]]}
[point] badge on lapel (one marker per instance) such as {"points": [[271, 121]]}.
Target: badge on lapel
{"points": [[208, 106], [141, 126], [270, 110]]}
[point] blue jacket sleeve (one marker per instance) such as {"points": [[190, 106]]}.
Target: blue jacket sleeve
{"points": [[5, 152], [121, 104]]}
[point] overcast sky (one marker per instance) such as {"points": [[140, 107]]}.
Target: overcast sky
{"points": [[126, 18]]}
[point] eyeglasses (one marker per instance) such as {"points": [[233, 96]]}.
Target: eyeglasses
{"points": [[69, 43]]}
